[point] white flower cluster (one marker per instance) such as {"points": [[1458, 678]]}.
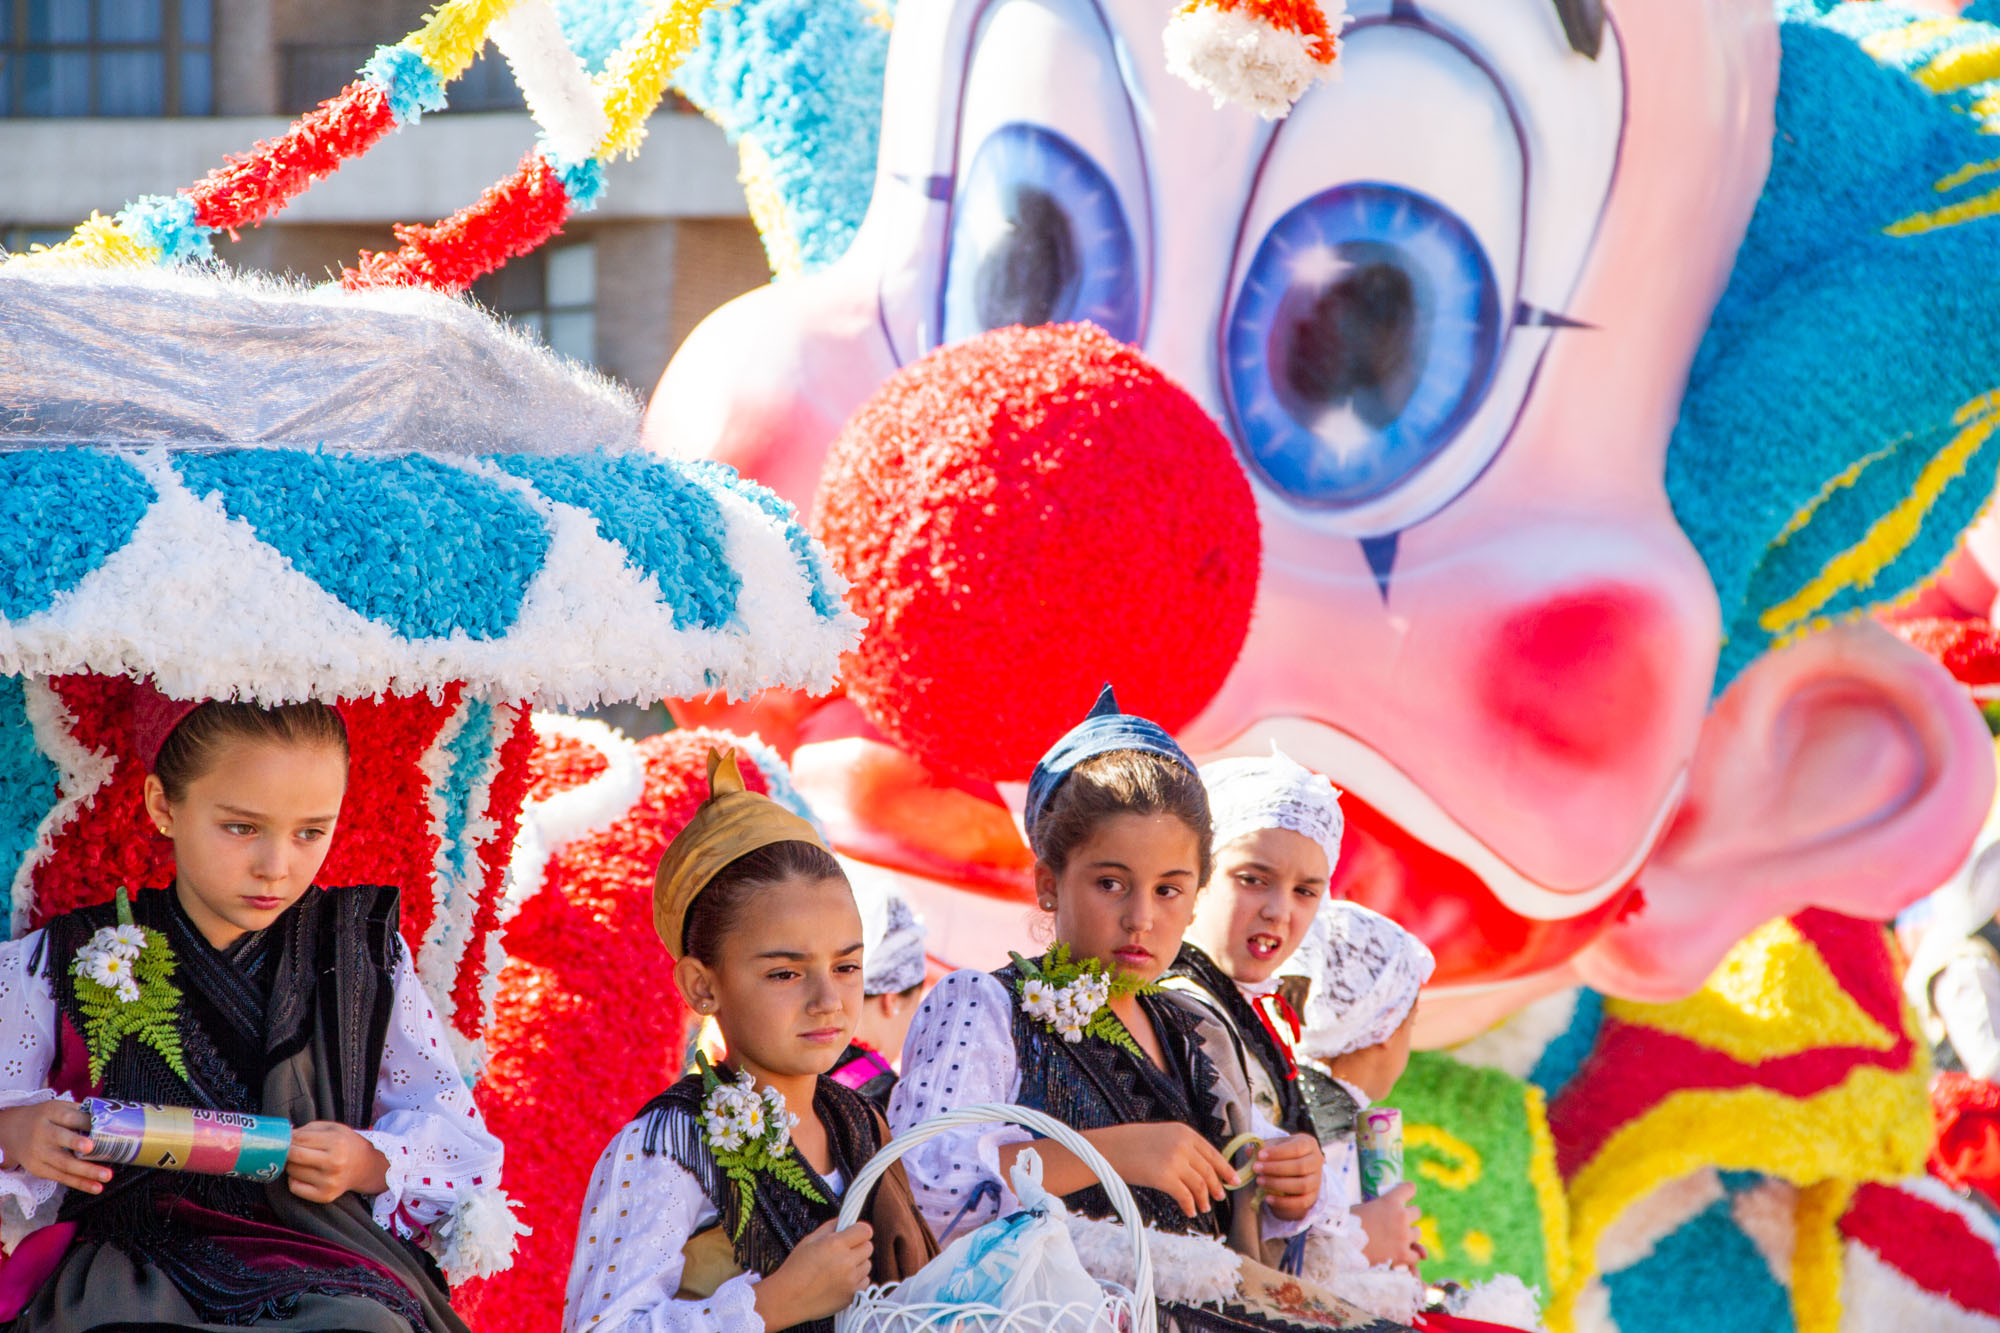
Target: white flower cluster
{"points": [[109, 959], [1067, 1009], [736, 1114]]}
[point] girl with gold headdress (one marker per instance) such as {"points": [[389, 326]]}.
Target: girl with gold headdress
{"points": [[712, 1211]]}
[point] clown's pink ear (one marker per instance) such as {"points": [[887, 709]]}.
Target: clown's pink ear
{"points": [[1262, 54], [1847, 771]]}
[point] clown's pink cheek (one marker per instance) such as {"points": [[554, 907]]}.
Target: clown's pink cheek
{"points": [[1578, 676]]}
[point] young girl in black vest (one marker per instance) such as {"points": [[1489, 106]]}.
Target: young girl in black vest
{"points": [[712, 1211], [1120, 828], [282, 999]]}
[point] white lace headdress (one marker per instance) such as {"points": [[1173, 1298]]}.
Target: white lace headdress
{"points": [[893, 938], [1365, 972], [1247, 795]]}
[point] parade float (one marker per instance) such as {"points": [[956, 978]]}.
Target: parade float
{"points": [[1530, 461], [1579, 381]]}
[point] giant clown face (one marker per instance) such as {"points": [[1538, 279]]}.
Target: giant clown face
{"points": [[1443, 314]]}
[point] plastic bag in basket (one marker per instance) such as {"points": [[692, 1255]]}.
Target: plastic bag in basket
{"points": [[1019, 1264]]}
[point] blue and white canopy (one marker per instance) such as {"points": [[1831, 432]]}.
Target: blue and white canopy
{"points": [[244, 488]]}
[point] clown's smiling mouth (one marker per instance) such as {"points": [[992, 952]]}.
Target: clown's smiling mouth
{"points": [[1403, 855]]}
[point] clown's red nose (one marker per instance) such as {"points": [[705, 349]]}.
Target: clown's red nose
{"points": [[1026, 515]]}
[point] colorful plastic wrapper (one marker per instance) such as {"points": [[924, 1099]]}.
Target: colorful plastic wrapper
{"points": [[1379, 1136], [182, 1138]]}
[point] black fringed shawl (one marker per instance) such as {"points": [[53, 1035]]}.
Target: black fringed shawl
{"points": [[781, 1217], [1251, 1034], [1093, 1084], [327, 966]]}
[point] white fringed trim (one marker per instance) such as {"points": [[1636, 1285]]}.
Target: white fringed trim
{"points": [[1504, 1299], [476, 1239], [196, 600], [16, 1223], [549, 826], [1875, 1297], [552, 80], [1516, 1044], [80, 772], [1236, 58], [1195, 1270], [1337, 1262]]}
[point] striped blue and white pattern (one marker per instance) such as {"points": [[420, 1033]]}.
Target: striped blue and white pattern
{"points": [[186, 496]]}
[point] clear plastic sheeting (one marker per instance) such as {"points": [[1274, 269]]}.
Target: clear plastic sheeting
{"points": [[256, 490], [135, 358]]}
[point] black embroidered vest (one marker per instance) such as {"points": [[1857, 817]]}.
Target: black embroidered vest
{"points": [[1253, 1038], [325, 970], [780, 1217], [1093, 1084]]}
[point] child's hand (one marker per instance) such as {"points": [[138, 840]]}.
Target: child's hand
{"points": [[1167, 1155], [44, 1140], [1289, 1171], [328, 1159], [1391, 1224], [819, 1278]]}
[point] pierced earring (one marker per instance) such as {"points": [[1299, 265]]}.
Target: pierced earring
{"points": [[163, 830]]}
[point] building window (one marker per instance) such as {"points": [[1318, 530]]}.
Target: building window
{"points": [[552, 292], [19, 240], [106, 58], [311, 72]]}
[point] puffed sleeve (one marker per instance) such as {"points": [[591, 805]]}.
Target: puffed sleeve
{"points": [[960, 1051], [637, 1214], [444, 1164], [1967, 996], [27, 1049]]}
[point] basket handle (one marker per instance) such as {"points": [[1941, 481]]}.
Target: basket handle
{"points": [[989, 1113]]}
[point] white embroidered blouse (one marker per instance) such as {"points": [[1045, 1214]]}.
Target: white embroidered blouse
{"points": [[444, 1165], [637, 1214], [960, 1050]]}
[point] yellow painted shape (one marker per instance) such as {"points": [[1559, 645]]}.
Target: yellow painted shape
{"points": [[1427, 1235], [1890, 535], [1462, 1165], [1970, 171], [1975, 62], [1554, 1204], [1478, 1247], [1874, 1125], [1773, 995], [452, 34], [1952, 215], [1891, 43], [1816, 1256]]}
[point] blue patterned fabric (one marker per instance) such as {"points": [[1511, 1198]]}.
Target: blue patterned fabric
{"points": [[669, 525], [411, 542], [64, 511]]}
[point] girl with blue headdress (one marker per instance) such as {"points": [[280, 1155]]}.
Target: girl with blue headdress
{"points": [[1119, 823]]}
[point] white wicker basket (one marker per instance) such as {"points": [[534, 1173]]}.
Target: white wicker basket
{"points": [[1121, 1310]]}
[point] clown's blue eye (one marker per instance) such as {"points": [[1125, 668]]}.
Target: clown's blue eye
{"points": [[1363, 337], [1038, 237]]}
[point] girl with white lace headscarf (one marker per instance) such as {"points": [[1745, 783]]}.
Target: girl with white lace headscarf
{"points": [[1277, 839]]}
